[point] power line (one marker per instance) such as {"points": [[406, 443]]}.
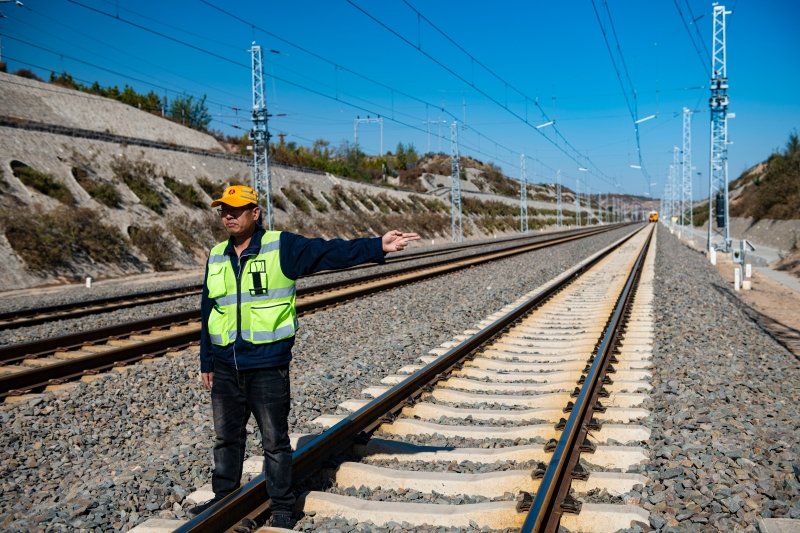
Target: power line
{"points": [[214, 54], [355, 73], [111, 46], [508, 85], [57, 89], [160, 34], [110, 71], [204, 37], [601, 175], [622, 61], [703, 60], [281, 79], [632, 106]]}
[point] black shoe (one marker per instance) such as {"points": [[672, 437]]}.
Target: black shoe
{"points": [[197, 509], [282, 520]]}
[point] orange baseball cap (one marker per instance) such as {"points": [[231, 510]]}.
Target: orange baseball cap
{"points": [[237, 196]]}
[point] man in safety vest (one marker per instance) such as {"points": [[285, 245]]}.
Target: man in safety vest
{"points": [[248, 329]]}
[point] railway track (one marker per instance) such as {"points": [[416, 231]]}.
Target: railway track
{"points": [[536, 408], [41, 315], [32, 317], [32, 366]]}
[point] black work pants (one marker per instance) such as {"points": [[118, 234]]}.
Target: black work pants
{"points": [[236, 394]]}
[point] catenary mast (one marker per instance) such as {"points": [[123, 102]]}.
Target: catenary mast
{"points": [[455, 187], [523, 195], [718, 162], [686, 165], [262, 181]]}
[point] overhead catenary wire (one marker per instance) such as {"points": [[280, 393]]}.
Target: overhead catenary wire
{"points": [[121, 50], [630, 100], [705, 56], [577, 159], [508, 85], [366, 106], [284, 80], [160, 34], [343, 68]]}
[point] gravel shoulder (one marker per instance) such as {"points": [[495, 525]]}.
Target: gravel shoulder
{"points": [[726, 403]]}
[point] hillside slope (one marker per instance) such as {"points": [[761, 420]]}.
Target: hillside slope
{"points": [[771, 189]]}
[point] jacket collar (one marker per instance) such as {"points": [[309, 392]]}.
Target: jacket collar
{"points": [[253, 248]]}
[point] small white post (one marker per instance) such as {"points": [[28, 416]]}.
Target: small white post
{"points": [[88, 282], [712, 255], [737, 278], [748, 270]]}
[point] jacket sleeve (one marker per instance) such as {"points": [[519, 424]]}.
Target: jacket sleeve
{"points": [[206, 361], [301, 256]]}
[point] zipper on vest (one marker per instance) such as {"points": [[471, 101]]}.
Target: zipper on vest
{"points": [[238, 311], [242, 261]]}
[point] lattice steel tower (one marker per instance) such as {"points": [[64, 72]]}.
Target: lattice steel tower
{"points": [[559, 215], [523, 196], [686, 175], [455, 186], [675, 187], [599, 207], [718, 162], [262, 181]]}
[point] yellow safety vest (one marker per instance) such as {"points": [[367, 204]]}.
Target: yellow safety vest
{"points": [[259, 305]]}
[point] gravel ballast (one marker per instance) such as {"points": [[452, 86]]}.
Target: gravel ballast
{"points": [[132, 445], [725, 406]]}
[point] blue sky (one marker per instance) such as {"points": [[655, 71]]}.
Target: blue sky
{"points": [[499, 68]]}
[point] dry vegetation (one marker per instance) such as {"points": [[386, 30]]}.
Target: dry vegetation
{"points": [[213, 190], [773, 191], [155, 245], [44, 183], [51, 240], [60, 240], [187, 194], [99, 190], [770, 190], [140, 177]]}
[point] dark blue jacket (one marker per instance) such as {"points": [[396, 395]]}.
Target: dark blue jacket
{"points": [[299, 256]]}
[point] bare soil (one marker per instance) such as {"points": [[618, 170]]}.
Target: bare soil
{"points": [[767, 296]]}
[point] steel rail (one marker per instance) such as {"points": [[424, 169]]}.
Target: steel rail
{"points": [[43, 347], [40, 315], [249, 500], [547, 506]]}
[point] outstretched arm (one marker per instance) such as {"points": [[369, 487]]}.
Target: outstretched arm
{"points": [[395, 241]]}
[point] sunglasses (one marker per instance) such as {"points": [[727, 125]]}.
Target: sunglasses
{"points": [[235, 212]]}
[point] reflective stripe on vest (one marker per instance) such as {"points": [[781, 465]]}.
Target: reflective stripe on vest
{"points": [[265, 302]]}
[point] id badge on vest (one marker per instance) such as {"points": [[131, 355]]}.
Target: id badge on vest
{"points": [[258, 271]]}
